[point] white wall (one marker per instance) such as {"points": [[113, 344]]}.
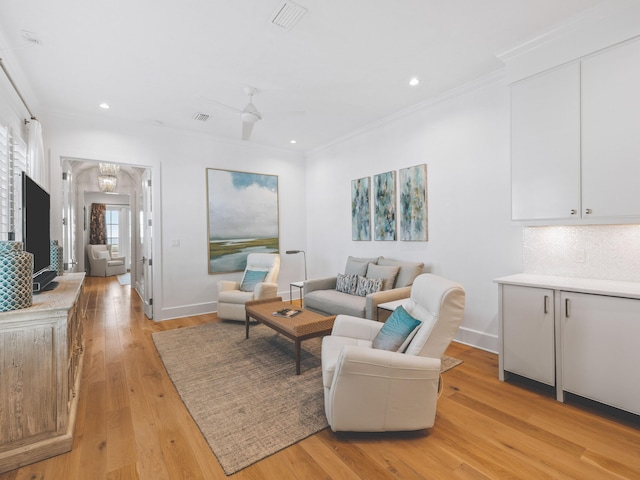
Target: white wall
{"points": [[182, 285], [464, 141]]}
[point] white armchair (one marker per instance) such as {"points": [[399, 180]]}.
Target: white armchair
{"points": [[102, 263], [258, 282], [368, 389]]}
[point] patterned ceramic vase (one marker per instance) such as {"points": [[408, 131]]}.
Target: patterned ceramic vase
{"points": [[56, 258], [16, 277]]}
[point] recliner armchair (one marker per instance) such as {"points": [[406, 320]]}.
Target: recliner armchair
{"points": [[102, 263], [258, 282], [373, 390]]}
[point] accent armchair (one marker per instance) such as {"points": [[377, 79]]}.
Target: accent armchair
{"points": [[102, 263], [258, 282], [370, 389]]}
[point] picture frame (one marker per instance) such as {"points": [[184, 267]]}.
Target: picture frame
{"points": [[413, 203], [242, 217], [360, 209], [384, 206]]}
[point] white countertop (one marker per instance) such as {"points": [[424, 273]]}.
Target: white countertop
{"points": [[613, 288]]}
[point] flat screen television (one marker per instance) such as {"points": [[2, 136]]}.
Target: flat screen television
{"points": [[36, 211]]}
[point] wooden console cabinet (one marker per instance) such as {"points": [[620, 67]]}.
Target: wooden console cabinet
{"points": [[40, 366]]}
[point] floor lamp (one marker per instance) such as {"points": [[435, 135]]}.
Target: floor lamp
{"points": [[289, 252]]}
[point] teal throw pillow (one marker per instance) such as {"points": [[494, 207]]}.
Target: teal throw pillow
{"points": [[396, 330], [251, 278]]}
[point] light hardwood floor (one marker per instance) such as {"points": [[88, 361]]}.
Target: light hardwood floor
{"points": [[132, 424]]}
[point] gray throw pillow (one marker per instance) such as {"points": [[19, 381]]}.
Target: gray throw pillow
{"points": [[346, 283], [358, 266], [387, 274], [408, 271], [366, 286]]}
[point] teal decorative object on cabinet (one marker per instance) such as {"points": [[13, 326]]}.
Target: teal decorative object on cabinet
{"points": [[56, 258], [16, 277]]}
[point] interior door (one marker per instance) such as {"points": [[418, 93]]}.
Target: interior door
{"points": [[146, 245], [68, 218]]}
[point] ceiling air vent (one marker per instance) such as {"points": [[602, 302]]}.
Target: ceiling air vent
{"points": [[287, 15], [201, 117]]}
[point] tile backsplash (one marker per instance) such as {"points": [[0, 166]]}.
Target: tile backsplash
{"points": [[608, 252]]}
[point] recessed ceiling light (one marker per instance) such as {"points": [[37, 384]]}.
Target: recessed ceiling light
{"points": [[414, 81], [104, 105], [293, 141]]}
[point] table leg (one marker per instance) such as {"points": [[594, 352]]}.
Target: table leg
{"points": [[246, 321], [298, 357]]}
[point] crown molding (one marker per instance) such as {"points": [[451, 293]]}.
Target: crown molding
{"points": [[495, 77]]}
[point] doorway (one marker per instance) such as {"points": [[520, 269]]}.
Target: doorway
{"points": [[128, 209]]}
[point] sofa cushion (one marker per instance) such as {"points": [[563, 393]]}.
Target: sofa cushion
{"points": [[407, 273], [394, 333], [332, 302], [368, 285], [102, 254], [358, 266], [346, 283], [387, 274]]}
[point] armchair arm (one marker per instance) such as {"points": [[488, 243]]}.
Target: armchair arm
{"points": [[327, 283], [224, 285], [122, 259], [98, 266], [355, 327], [265, 290], [378, 390], [374, 299]]}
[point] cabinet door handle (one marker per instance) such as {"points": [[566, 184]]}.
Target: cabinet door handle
{"points": [[546, 304], [566, 307], [587, 211], [573, 211]]}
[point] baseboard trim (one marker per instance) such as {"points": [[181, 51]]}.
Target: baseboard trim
{"points": [[475, 338], [187, 311]]}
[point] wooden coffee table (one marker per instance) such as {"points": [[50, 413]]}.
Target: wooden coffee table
{"points": [[301, 327]]}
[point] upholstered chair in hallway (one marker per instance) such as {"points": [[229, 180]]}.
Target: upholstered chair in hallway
{"points": [[102, 262], [258, 282], [385, 376]]}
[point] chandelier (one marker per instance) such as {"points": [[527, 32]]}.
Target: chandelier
{"points": [[108, 177]]}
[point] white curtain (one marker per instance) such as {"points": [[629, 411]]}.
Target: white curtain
{"points": [[37, 167]]}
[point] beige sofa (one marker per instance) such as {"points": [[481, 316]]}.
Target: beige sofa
{"points": [[321, 295]]}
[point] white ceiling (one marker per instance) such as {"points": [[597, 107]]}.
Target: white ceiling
{"points": [[345, 65]]}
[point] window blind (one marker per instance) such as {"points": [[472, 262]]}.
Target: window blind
{"points": [[4, 183]]}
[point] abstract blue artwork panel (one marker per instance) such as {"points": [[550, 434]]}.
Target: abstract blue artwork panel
{"points": [[413, 203], [384, 206], [242, 212], [360, 209]]}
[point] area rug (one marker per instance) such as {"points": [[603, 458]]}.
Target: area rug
{"points": [[244, 395], [124, 279]]}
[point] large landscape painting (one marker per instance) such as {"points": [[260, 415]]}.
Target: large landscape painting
{"points": [[243, 217]]}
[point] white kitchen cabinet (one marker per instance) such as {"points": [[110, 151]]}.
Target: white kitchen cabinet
{"points": [[611, 132], [545, 145], [575, 140], [528, 333], [591, 332], [600, 354]]}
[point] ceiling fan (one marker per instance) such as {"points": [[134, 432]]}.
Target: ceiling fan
{"points": [[249, 114]]}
